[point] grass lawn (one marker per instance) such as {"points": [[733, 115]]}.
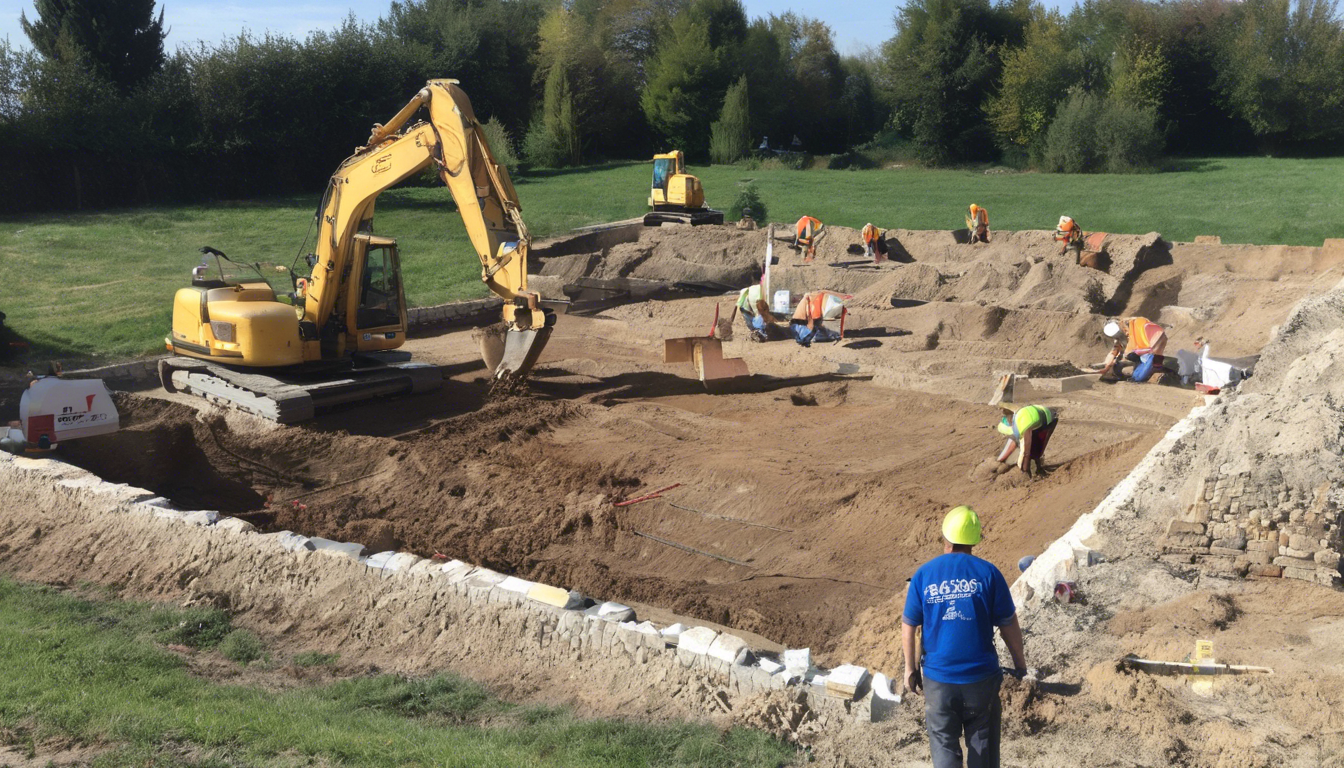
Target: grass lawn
{"points": [[93, 671], [101, 284]]}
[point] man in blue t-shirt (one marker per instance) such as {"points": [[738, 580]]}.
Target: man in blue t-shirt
{"points": [[959, 599]]}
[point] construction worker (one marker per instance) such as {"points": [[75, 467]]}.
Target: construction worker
{"points": [[761, 323], [977, 223], [806, 233], [1029, 429], [806, 325], [1137, 340], [1070, 237], [958, 599], [746, 223], [874, 244]]}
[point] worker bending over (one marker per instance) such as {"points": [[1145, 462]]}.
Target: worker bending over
{"points": [[1137, 340], [806, 325], [806, 233], [977, 222], [1070, 237], [1028, 430], [761, 324], [874, 244]]}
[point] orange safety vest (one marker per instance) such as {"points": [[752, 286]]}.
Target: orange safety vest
{"points": [[816, 304], [981, 217], [1140, 338], [808, 223], [1069, 233]]}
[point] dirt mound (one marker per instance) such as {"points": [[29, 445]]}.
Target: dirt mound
{"points": [[718, 254]]}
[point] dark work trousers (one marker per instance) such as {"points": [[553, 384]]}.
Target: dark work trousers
{"points": [[973, 709]]}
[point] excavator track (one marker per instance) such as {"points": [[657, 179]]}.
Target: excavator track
{"points": [[290, 400]]}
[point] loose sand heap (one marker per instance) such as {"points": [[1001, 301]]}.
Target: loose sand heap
{"points": [[810, 492]]}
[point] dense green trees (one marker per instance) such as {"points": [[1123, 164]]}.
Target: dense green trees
{"points": [[96, 113]]}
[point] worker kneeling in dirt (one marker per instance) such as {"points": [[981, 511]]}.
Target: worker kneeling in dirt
{"points": [[746, 223], [1137, 340], [977, 223], [805, 234], [1029, 430], [1070, 237], [874, 244], [806, 325], [761, 324]]}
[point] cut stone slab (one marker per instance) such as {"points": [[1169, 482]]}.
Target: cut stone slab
{"points": [[845, 681], [234, 525], [379, 560], [672, 634], [884, 700], [403, 561], [728, 648], [348, 549], [515, 584], [560, 598], [292, 542], [202, 517], [483, 578], [798, 661], [697, 640]]}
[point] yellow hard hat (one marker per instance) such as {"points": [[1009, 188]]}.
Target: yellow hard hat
{"points": [[962, 526], [974, 208]]}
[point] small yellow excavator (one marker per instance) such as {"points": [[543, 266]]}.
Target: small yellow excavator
{"points": [[676, 196], [336, 339]]}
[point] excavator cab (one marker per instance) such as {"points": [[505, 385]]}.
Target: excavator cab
{"points": [[377, 318], [677, 197]]}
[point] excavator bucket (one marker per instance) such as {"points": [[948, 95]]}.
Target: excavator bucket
{"points": [[706, 355], [521, 350]]}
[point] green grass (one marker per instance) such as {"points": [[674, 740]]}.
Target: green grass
{"points": [[101, 284], [91, 670]]}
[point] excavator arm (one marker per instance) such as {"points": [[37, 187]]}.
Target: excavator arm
{"points": [[452, 140]]}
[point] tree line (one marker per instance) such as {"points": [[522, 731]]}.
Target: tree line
{"points": [[99, 114]]}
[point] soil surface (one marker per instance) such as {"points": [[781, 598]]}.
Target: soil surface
{"points": [[807, 493]]}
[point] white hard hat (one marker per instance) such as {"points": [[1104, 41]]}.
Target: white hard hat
{"points": [[1065, 220], [1111, 329]]}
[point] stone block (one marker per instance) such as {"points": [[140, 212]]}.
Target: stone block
{"points": [[1302, 574], [846, 681], [348, 549], [611, 611], [1177, 558], [1262, 546], [291, 542], [1295, 562], [729, 648], [1237, 542], [1186, 540], [234, 525], [1230, 551], [883, 700], [1328, 577], [482, 578], [1177, 526], [403, 562], [1185, 550], [1265, 571], [1305, 554], [379, 560], [1328, 558], [696, 640], [798, 661], [1301, 541], [560, 598], [1258, 557], [516, 585]]}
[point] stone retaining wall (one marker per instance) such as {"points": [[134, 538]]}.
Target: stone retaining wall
{"points": [[61, 524]]}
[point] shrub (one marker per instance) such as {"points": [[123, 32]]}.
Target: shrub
{"points": [[194, 627], [541, 148], [1071, 141], [1128, 138], [241, 646], [501, 144], [749, 197], [730, 136], [851, 160]]}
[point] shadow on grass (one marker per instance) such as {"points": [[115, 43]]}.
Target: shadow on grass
{"points": [[1191, 165], [555, 173]]}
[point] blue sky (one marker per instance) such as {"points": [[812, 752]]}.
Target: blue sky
{"points": [[857, 24]]}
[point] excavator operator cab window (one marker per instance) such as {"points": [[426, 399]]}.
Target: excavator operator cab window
{"points": [[380, 293], [662, 171]]}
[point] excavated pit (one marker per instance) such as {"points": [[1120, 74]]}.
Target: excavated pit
{"points": [[808, 493]]}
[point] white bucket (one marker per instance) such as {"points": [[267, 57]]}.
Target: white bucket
{"points": [[64, 409], [781, 303], [831, 308]]}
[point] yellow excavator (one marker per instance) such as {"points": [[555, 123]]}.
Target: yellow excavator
{"points": [[335, 341], [677, 197]]}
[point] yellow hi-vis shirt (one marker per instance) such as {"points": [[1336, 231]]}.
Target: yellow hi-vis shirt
{"points": [[1032, 417], [747, 298]]}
